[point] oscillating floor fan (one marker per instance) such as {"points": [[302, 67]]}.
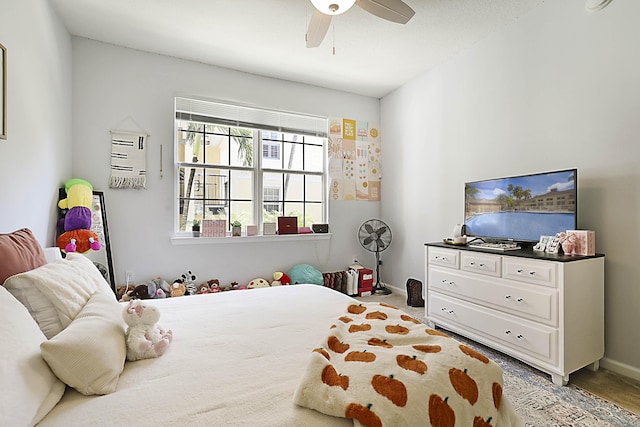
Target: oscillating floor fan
{"points": [[375, 236]]}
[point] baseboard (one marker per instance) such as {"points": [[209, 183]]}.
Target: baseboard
{"points": [[396, 290], [620, 368]]}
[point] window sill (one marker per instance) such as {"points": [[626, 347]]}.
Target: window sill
{"points": [[189, 240]]}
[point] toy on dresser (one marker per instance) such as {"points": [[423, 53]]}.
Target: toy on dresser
{"points": [[145, 338]]}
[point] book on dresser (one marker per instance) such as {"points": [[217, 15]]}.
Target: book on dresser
{"points": [[546, 310]]}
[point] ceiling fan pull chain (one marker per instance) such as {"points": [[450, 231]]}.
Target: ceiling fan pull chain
{"points": [[334, 39]]}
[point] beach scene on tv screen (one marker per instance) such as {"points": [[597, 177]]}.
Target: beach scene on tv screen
{"points": [[523, 207]]}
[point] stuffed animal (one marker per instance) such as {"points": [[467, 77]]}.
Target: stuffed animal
{"points": [[258, 283], [280, 278], [189, 280], [178, 289], [77, 236], [145, 338], [203, 288], [230, 287], [158, 288], [214, 285], [133, 292], [305, 273]]}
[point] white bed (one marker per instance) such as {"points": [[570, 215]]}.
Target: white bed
{"points": [[236, 359]]}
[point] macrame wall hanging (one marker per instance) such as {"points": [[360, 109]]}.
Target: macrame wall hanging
{"points": [[128, 159]]}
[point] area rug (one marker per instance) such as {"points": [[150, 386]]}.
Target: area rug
{"points": [[539, 402]]}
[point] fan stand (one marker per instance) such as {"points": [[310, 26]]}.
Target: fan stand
{"points": [[379, 288]]}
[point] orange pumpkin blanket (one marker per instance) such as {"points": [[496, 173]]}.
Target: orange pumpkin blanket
{"points": [[381, 367]]}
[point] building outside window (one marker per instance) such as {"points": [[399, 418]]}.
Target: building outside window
{"points": [[220, 178]]}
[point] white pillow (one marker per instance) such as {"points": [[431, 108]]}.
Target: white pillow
{"points": [[55, 293], [28, 388], [89, 354]]}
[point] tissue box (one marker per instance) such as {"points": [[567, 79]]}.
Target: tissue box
{"points": [[585, 241]]}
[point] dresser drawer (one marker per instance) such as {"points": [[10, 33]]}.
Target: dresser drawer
{"points": [[523, 270], [489, 265], [531, 302], [445, 257], [521, 335]]}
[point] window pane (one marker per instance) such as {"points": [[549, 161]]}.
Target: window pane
{"points": [[314, 189], [243, 212], [292, 156], [242, 185], [216, 150], [313, 158], [273, 181], [216, 184], [293, 187], [241, 147], [313, 214]]}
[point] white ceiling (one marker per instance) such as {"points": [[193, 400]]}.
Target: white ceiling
{"points": [[267, 37]]}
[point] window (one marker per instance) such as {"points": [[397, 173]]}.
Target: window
{"points": [[219, 177]]}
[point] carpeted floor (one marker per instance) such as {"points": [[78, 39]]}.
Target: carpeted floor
{"points": [[536, 399]]}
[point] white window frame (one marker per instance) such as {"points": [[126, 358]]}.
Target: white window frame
{"points": [[226, 114]]}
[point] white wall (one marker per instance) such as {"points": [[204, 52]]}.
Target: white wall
{"points": [[115, 87], [36, 156], [556, 89]]}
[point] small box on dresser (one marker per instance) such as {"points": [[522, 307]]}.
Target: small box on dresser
{"points": [[585, 241]]}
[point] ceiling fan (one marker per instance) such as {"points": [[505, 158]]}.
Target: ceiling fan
{"points": [[391, 10]]}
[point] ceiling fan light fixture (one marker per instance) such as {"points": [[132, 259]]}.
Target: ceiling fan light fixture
{"points": [[333, 7]]}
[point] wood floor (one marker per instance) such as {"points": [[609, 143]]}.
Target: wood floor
{"points": [[621, 390]]}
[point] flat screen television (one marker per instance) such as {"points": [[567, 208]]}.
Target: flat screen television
{"points": [[522, 208]]}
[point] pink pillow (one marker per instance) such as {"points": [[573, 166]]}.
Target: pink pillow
{"points": [[19, 252]]}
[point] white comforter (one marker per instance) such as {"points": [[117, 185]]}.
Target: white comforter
{"points": [[236, 360]]}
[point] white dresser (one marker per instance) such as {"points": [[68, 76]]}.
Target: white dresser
{"points": [[545, 310]]}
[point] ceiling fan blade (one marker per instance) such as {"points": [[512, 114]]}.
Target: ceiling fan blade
{"points": [[391, 10], [318, 27]]}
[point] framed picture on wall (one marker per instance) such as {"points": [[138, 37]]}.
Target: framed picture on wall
{"points": [[3, 92]]}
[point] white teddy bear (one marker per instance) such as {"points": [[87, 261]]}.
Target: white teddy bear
{"points": [[145, 338]]}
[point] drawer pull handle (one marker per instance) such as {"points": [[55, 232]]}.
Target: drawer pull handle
{"points": [[443, 258], [507, 297], [473, 264], [508, 332], [520, 270], [520, 299], [532, 273], [520, 336], [450, 311]]}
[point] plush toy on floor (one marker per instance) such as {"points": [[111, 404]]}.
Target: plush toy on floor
{"points": [[145, 338], [258, 283], [189, 281], [280, 278]]}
